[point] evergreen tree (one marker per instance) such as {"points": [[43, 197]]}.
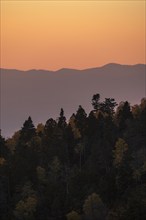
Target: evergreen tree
{"points": [[123, 116], [51, 172], [4, 179], [95, 101], [28, 130], [62, 120], [108, 106], [50, 127], [80, 120]]}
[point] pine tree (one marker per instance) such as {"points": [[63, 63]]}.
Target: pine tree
{"points": [[28, 130], [62, 120], [80, 120], [123, 116]]}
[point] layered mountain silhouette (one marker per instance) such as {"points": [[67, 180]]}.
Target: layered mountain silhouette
{"points": [[41, 93]]}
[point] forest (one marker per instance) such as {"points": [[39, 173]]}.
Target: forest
{"points": [[90, 167]]}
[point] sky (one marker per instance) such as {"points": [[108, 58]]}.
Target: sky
{"points": [[71, 34]]}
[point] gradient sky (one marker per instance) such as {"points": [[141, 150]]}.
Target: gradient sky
{"points": [[73, 34]]}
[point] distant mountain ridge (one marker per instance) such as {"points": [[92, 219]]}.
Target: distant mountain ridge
{"points": [[41, 93], [74, 69]]}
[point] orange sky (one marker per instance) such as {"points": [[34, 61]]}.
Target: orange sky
{"points": [[74, 34]]}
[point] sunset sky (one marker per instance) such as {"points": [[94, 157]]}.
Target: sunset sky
{"points": [[72, 34]]}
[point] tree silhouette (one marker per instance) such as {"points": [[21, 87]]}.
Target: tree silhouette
{"points": [[88, 167], [95, 101]]}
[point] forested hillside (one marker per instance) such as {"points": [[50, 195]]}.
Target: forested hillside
{"points": [[92, 167]]}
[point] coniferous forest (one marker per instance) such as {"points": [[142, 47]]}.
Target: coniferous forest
{"points": [[91, 167]]}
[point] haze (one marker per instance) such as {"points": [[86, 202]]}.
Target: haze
{"points": [[41, 93]]}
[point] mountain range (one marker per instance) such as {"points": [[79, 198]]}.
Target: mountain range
{"points": [[41, 93]]}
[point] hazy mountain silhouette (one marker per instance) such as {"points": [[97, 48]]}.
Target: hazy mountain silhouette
{"points": [[41, 93]]}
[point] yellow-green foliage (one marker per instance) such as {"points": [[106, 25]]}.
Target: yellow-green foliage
{"points": [[73, 216], [25, 209], [120, 149]]}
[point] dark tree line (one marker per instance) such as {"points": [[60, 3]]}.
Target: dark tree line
{"points": [[92, 167]]}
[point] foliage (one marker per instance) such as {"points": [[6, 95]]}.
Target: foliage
{"points": [[90, 167], [25, 209], [94, 208], [120, 150], [73, 216]]}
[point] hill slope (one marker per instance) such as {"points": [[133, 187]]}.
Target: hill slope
{"points": [[42, 93]]}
